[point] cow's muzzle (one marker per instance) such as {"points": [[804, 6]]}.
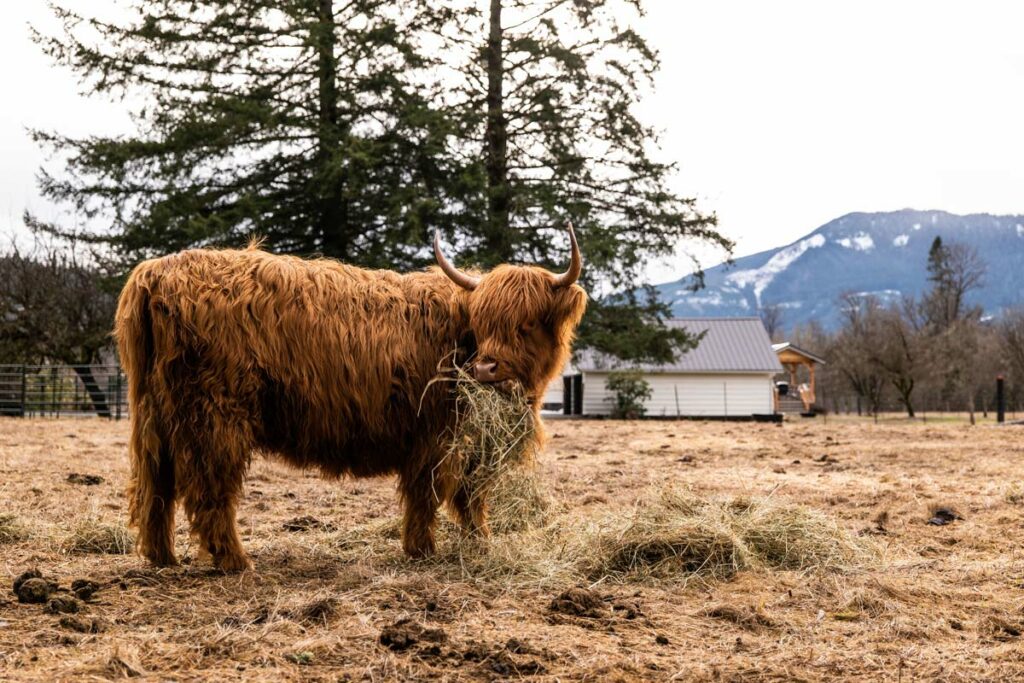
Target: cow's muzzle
{"points": [[486, 372]]}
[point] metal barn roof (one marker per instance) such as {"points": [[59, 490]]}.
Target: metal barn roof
{"points": [[729, 345]]}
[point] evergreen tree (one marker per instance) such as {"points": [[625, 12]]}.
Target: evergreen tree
{"points": [[544, 94], [352, 129], [954, 270], [953, 328], [293, 120]]}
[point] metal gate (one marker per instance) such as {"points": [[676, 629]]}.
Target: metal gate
{"points": [[62, 390]]}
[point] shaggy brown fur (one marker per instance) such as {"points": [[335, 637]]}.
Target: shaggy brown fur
{"points": [[321, 364]]}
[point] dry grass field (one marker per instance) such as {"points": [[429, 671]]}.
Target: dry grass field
{"points": [[856, 584]]}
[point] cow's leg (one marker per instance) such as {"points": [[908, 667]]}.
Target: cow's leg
{"points": [[210, 483], [151, 485], [154, 504], [470, 511], [421, 497]]}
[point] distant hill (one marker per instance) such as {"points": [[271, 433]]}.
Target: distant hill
{"points": [[884, 254]]}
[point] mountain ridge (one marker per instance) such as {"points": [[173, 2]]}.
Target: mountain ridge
{"points": [[882, 254]]}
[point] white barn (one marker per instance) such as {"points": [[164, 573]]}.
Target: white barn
{"points": [[729, 374]]}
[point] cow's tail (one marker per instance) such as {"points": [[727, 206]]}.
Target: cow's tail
{"points": [[151, 488]]}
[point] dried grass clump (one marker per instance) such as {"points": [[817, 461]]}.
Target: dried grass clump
{"points": [[1014, 494], [535, 557], [12, 530], [681, 533], [797, 537], [678, 534], [92, 536], [518, 501], [494, 447]]}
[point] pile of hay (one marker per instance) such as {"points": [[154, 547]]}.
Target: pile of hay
{"points": [[681, 533], [494, 445], [11, 529], [92, 536]]}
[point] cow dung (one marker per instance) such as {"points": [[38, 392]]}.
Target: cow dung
{"points": [[84, 588], [84, 479], [404, 633], [63, 603], [25, 576], [32, 588], [579, 602], [83, 624]]}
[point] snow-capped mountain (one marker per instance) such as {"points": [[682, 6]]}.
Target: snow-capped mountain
{"points": [[884, 254]]}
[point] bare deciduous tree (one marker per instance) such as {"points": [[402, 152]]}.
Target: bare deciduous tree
{"points": [[56, 306], [771, 317]]}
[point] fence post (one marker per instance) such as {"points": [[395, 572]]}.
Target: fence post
{"points": [[117, 394], [1000, 399], [24, 380], [57, 394]]}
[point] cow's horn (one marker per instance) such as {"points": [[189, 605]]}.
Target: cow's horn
{"points": [[457, 276], [575, 266]]}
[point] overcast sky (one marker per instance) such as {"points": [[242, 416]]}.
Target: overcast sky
{"points": [[781, 115]]}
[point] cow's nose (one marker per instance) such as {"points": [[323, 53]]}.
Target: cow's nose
{"points": [[486, 372]]}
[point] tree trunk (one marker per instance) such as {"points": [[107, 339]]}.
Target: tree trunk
{"points": [[332, 214], [92, 387], [905, 399], [497, 237]]}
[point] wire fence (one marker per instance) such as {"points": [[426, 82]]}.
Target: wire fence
{"points": [[63, 390]]}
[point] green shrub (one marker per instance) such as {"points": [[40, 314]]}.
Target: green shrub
{"points": [[629, 391]]}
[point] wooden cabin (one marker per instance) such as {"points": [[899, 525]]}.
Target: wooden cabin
{"points": [[797, 396]]}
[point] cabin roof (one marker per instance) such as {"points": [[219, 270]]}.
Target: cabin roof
{"points": [[732, 345], [784, 346]]}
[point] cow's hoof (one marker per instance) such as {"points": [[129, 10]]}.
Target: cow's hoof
{"points": [[419, 552], [161, 559], [233, 563]]}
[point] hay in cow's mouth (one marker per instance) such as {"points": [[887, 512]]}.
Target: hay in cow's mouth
{"points": [[495, 441]]}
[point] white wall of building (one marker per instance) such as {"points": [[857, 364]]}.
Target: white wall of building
{"points": [[555, 391], [708, 395]]}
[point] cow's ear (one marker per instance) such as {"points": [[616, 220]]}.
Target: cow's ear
{"points": [[568, 305]]}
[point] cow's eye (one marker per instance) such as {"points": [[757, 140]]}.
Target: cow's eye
{"points": [[526, 328]]}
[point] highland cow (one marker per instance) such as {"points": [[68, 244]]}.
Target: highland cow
{"points": [[322, 365]]}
